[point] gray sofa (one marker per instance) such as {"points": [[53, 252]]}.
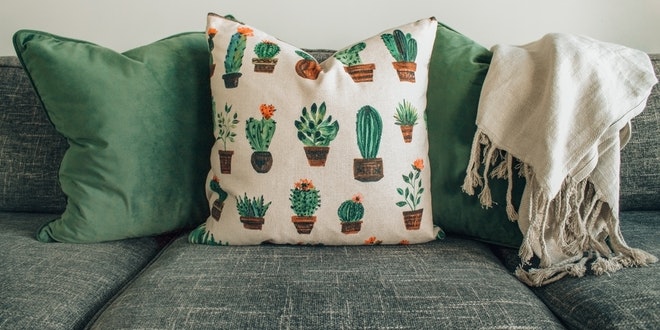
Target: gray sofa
{"points": [[157, 282]]}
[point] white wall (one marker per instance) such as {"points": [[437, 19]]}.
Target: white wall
{"points": [[124, 24]]}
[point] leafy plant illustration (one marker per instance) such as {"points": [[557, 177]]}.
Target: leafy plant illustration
{"points": [[236, 49], [351, 210], [305, 198], [369, 129], [201, 235], [406, 114], [266, 49], [251, 207], [412, 194], [314, 129], [402, 46], [226, 122], [260, 132], [350, 56]]}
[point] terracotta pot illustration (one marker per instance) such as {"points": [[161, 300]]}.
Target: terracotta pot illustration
{"points": [[405, 70], [266, 65], [225, 161], [261, 161], [216, 210], [303, 224], [231, 79], [368, 169], [407, 131], [413, 219], [361, 72], [352, 227], [308, 69], [316, 156], [252, 223]]}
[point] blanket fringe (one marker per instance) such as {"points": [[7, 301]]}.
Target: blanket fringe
{"points": [[570, 233]]}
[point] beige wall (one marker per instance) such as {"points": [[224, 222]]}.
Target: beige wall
{"points": [[124, 24]]}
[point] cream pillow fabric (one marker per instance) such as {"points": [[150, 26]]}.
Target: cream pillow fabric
{"points": [[319, 153]]}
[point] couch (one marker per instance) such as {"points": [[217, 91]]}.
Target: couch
{"points": [[157, 282]]}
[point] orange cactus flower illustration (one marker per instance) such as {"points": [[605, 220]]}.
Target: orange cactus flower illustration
{"points": [[372, 241], [418, 164], [267, 110], [404, 242], [212, 31], [304, 185], [357, 198], [246, 31]]}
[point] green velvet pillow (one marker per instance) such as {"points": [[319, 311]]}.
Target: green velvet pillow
{"points": [[137, 126], [457, 71]]}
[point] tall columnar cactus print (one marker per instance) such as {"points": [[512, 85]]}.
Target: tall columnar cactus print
{"points": [[369, 130], [234, 56], [403, 48]]}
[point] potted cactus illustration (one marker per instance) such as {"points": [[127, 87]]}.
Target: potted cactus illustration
{"points": [[251, 211], [305, 200], [259, 134], [350, 214], [369, 130], [316, 131], [307, 67], [403, 48], [226, 123], [265, 60], [234, 56], [218, 203], [353, 65], [406, 118], [412, 196]]}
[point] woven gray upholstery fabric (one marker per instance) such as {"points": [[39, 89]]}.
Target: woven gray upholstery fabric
{"points": [[30, 148], [640, 159], [445, 284], [626, 299], [57, 285]]}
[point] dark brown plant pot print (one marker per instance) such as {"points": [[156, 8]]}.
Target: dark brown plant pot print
{"points": [[405, 70], [316, 156], [407, 132], [351, 227], [361, 72], [216, 209], [308, 69], [225, 161], [261, 161], [231, 79], [413, 219], [266, 65], [303, 224], [252, 223], [368, 169]]}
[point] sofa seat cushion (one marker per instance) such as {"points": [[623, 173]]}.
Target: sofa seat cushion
{"points": [[60, 286], [626, 299], [453, 283]]}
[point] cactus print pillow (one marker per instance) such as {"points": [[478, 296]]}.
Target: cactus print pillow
{"points": [[331, 153]]}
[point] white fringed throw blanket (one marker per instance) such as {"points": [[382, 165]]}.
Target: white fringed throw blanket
{"points": [[562, 107]]}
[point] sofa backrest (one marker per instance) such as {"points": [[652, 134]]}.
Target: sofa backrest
{"points": [[640, 159], [31, 150]]}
